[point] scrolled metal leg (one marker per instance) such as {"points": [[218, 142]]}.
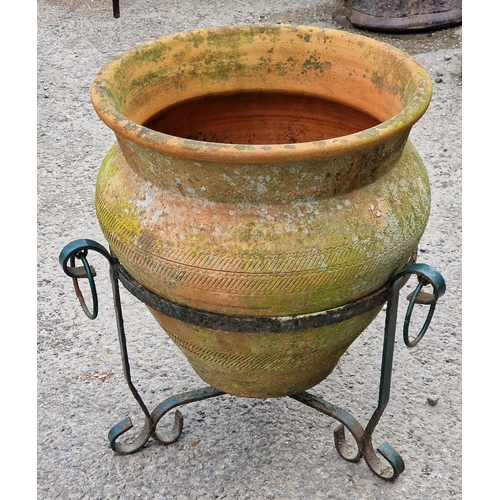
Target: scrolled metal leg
{"points": [[151, 419], [78, 249], [149, 429], [388, 463], [125, 425], [116, 9], [393, 465]]}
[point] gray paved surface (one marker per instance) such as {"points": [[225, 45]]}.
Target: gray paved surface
{"points": [[231, 447]]}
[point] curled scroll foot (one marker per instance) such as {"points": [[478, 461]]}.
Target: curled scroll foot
{"points": [[175, 433], [343, 449], [388, 469], [129, 447], [174, 401], [149, 429], [345, 418]]}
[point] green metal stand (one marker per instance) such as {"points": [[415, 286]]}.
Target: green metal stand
{"points": [[387, 464]]}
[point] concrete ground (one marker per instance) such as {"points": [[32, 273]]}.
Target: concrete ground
{"points": [[231, 448]]}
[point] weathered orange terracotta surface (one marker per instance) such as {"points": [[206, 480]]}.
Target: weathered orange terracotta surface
{"points": [[264, 365], [279, 181]]}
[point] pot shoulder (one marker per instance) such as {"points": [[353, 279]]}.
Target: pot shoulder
{"points": [[263, 259]]}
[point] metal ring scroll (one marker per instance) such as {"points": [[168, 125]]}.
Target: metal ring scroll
{"points": [[79, 249], [426, 276]]}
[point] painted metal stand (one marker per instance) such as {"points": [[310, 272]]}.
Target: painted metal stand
{"points": [[116, 9], [387, 464]]}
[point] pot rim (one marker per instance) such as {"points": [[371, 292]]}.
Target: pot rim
{"points": [[257, 153]]}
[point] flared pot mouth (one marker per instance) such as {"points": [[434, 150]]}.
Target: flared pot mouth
{"points": [[354, 70]]}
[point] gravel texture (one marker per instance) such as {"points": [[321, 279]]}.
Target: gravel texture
{"points": [[232, 448]]}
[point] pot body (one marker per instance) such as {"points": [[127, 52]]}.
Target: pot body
{"points": [[316, 199]]}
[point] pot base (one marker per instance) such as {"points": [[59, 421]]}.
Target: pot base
{"points": [[264, 365]]}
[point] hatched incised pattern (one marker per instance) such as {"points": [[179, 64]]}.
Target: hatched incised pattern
{"points": [[292, 273]]}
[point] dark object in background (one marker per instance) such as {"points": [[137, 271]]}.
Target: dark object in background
{"points": [[404, 15]]}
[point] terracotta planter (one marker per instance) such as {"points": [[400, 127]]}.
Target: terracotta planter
{"points": [[273, 178], [404, 17]]}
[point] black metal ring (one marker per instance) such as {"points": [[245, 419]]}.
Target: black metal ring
{"points": [[93, 291], [250, 324], [426, 276], [79, 249]]}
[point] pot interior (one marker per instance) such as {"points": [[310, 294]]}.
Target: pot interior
{"points": [[259, 117]]}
